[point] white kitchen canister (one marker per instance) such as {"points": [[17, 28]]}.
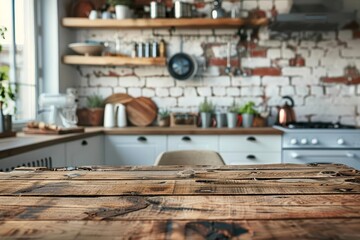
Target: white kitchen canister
{"points": [[121, 115], [109, 116]]}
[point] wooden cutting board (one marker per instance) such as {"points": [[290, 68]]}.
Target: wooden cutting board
{"points": [[141, 111], [54, 132], [122, 98]]}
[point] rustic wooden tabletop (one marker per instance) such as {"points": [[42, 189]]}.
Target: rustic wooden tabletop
{"points": [[182, 202]]}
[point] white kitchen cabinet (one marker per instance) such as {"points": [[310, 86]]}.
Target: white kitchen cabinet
{"points": [[133, 149], [53, 156], [85, 151], [193, 142], [250, 149]]}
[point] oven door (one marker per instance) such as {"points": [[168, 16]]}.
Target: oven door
{"points": [[350, 157]]}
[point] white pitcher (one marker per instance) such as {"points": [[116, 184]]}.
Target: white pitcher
{"points": [[121, 115], [109, 116]]}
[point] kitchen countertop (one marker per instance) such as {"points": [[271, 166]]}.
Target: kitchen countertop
{"points": [[182, 202], [27, 142]]}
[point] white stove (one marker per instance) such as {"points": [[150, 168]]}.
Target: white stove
{"points": [[321, 143]]}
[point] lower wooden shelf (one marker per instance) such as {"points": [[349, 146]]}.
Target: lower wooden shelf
{"points": [[113, 61]]}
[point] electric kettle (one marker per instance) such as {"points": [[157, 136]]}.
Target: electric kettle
{"points": [[286, 114]]}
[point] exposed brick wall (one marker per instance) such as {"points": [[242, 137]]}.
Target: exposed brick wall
{"points": [[320, 88]]}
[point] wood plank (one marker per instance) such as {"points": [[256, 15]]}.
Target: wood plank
{"points": [[162, 23], [37, 174], [180, 208], [283, 229], [112, 61], [191, 130], [178, 187]]}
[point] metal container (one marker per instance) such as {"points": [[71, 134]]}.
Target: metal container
{"points": [[157, 10], [140, 50], [154, 49], [147, 49], [182, 9]]}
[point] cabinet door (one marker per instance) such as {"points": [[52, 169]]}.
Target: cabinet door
{"points": [[249, 158], [86, 151], [193, 142], [53, 156], [133, 150], [240, 143]]}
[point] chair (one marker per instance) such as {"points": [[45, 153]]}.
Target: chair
{"points": [[189, 157]]}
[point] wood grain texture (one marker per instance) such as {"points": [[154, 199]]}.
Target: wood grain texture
{"points": [[112, 61], [162, 23], [346, 229], [288, 201], [54, 132], [122, 98], [141, 111]]}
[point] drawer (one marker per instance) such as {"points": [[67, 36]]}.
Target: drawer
{"points": [[241, 143], [193, 142], [246, 158]]}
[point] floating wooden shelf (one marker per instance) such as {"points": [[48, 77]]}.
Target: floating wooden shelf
{"points": [[112, 61], [163, 23]]}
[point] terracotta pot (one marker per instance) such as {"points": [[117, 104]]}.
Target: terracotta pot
{"points": [[90, 116]]}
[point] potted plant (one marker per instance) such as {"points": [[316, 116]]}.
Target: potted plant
{"points": [[247, 113], [93, 114], [206, 108], [7, 95], [164, 118], [122, 8], [232, 115]]}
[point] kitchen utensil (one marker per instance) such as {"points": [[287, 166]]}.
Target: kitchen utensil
{"points": [[122, 98], [87, 49], [217, 11], [228, 63], [182, 9], [141, 111], [157, 9], [286, 114], [182, 66], [109, 116], [120, 115]]}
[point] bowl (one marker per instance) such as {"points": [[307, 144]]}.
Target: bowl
{"points": [[87, 49]]}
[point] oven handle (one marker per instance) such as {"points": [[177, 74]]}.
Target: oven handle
{"points": [[348, 155]]}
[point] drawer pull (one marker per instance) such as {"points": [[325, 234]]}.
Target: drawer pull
{"points": [[251, 157], [186, 139], [84, 143], [251, 139], [142, 139]]}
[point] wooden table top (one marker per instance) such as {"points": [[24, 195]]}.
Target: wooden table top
{"points": [[182, 202]]}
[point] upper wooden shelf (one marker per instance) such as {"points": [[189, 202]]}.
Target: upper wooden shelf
{"points": [[112, 61], [163, 23]]}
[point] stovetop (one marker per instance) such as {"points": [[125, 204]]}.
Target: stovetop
{"points": [[319, 125]]}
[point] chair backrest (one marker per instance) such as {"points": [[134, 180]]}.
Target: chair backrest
{"points": [[189, 157]]}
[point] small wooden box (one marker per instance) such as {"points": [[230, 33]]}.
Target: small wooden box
{"points": [[178, 119]]}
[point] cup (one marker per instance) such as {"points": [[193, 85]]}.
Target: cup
{"points": [[106, 15], [109, 116], [93, 15]]}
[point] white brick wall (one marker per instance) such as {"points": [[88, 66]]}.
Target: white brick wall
{"points": [[314, 99]]}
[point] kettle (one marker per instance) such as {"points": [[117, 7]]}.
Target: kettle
{"points": [[286, 114]]}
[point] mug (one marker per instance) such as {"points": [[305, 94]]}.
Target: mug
{"points": [[93, 15], [109, 116]]}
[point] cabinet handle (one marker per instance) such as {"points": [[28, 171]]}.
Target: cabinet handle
{"points": [[142, 139], [186, 139], [251, 157], [251, 139], [84, 143]]}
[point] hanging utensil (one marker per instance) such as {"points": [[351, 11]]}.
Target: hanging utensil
{"points": [[228, 61]]}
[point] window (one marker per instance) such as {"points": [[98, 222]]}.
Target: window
{"points": [[19, 54]]}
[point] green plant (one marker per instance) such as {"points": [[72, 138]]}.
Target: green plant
{"points": [[234, 108], [95, 101], [206, 106], [248, 108], [119, 2], [163, 113], [7, 94]]}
